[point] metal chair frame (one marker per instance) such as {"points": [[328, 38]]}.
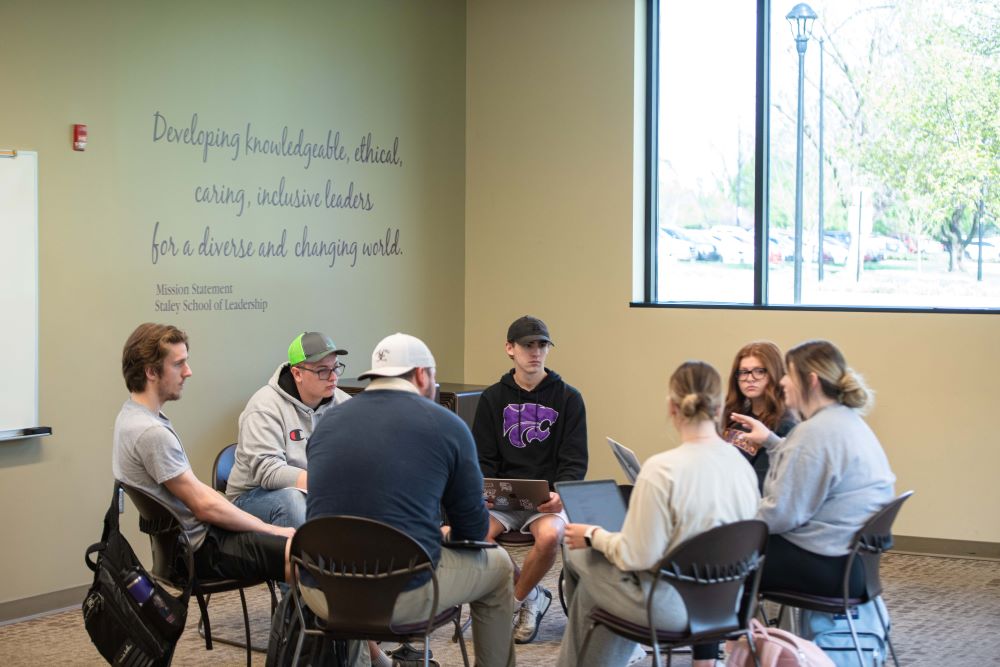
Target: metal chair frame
{"points": [[869, 543], [719, 595], [361, 565]]}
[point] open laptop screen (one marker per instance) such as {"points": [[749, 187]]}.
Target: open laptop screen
{"points": [[597, 502]]}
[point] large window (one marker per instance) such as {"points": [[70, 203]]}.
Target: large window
{"points": [[848, 156]]}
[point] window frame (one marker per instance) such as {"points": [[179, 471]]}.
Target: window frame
{"points": [[762, 104]]}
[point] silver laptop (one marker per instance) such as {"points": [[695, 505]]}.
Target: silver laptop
{"points": [[626, 459], [596, 502]]}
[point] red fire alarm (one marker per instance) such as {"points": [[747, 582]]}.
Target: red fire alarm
{"points": [[79, 137]]}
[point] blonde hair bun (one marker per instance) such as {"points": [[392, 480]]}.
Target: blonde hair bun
{"points": [[696, 390], [853, 391]]}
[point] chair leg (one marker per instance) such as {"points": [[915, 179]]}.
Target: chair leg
{"points": [[753, 648], [854, 635], [204, 625], [460, 638], [763, 615], [562, 595], [781, 616], [461, 627], [274, 596], [670, 655], [885, 627], [427, 651], [246, 627]]}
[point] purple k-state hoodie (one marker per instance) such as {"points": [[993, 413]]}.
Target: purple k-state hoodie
{"points": [[540, 434]]}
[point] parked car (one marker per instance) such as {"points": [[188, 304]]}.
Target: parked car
{"points": [[782, 246], [676, 244], [834, 252], [734, 244], [704, 245], [888, 247]]}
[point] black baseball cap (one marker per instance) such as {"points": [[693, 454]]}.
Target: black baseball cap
{"points": [[528, 329]]}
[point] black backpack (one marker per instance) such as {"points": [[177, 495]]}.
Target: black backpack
{"points": [[125, 632], [317, 651]]}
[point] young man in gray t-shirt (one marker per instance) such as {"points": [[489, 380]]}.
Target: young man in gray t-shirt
{"points": [[228, 542]]}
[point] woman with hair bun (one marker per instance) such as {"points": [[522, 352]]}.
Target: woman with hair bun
{"points": [[826, 478], [679, 493], [754, 391]]}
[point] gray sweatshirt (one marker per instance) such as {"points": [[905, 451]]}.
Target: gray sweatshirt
{"points": [[274, 429], [826, 479]]}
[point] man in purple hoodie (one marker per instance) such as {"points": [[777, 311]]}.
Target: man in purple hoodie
{"points": [[531, 425]]}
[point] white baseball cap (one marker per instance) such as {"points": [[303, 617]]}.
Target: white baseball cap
{"points": [[397, 355]]}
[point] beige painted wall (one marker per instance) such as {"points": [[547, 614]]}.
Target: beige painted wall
{"points": [[390, 68], [550, 212]]}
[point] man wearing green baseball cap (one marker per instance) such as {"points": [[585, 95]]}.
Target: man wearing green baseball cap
{"points": [[268, 478]]}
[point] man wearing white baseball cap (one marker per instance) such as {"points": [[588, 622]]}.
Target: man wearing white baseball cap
{"points": [[394, 435]]}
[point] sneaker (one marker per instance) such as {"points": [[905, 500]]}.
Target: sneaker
{"points": [[407, 655], [529, 615]]}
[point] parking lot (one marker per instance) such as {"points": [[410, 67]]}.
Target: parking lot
{"points": [[890, 282]]}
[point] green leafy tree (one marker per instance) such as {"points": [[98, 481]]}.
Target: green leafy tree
{"points": [[935, 139]]}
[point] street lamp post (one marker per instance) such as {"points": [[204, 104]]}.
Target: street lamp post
{"points": [[801, 20], [821, 183]]}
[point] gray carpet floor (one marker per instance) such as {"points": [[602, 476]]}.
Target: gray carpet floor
{"points": [[944, 612]]}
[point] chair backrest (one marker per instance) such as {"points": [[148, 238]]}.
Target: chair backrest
{"points": [[874, 538], [166, 539], [361, 565], [222, 467], [716, 574]]}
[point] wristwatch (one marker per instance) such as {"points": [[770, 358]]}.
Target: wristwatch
{"points": [[589, 534]]}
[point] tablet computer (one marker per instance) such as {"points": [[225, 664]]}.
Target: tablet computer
{"points": [[626, 459], [596, 502], [510, 495]]}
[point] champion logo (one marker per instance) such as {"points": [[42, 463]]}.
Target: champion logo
{"points": [[295, 435]]}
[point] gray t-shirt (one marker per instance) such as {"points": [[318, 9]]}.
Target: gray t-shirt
{"points": [[146, 454]]}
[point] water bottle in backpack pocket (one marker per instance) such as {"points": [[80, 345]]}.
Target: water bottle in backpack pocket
{"points": [[832, 633]]}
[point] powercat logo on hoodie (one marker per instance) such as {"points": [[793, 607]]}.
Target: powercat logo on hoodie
{"points": [[528, 422], [295, 435]]}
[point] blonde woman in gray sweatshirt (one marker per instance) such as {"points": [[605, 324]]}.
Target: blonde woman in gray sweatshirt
{"points": [[826, 478]]}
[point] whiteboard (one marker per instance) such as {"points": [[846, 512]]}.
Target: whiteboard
{"points": [[19, 291]]}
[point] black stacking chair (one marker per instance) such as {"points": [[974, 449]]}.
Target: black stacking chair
{"points": [[871, 541], [362, 565], [716, 574], [170, 547]]}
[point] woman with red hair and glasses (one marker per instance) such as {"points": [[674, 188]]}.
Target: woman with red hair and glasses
{"points": [[753, 390]]}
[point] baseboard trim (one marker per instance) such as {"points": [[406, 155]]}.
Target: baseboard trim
{"points": [[25, 609], [932, 546]]}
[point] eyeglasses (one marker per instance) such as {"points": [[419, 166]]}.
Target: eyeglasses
{"points": [[757, 373], [324, 373]]}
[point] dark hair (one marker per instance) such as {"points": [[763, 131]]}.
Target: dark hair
{"points": [[696, 389], [408, 375], [774, 401], [837, 380], [147, 348]]}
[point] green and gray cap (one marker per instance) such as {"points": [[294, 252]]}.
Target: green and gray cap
{"points": [[311, 346]]}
